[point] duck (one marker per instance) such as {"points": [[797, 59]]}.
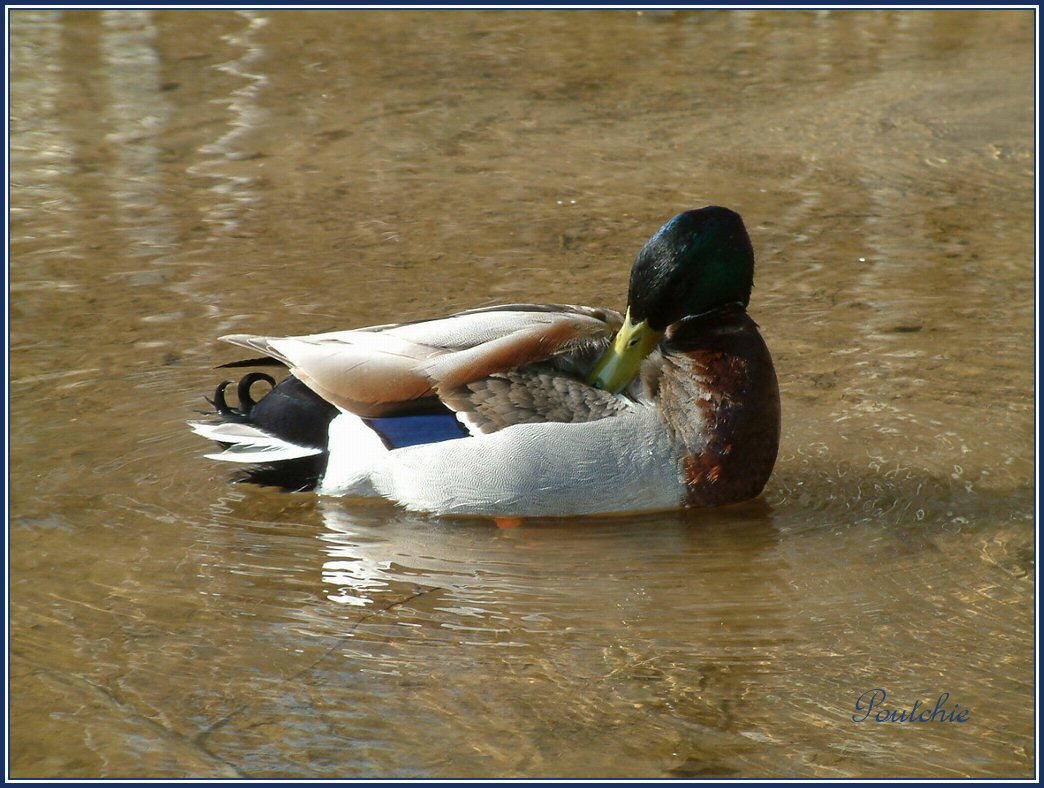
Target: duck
{"points": [[529, 410]]}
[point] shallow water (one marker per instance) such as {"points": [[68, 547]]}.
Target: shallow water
{"points": [[178, 175]]}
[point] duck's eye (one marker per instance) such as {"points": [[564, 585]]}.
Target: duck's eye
{"points": [[633, 341]]}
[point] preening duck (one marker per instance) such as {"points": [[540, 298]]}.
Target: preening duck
{"points": [[531, 409]]}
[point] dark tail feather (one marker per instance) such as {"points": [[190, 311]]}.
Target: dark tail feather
{"points": [[291, 412], [263, 361]]}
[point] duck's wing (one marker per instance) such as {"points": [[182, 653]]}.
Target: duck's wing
{"points": [[381, 370], [534, 394]]}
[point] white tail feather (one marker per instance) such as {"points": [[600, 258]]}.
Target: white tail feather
{"points": [[249, 444]]}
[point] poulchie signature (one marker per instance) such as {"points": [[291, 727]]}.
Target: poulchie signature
{"points": [[871, 704]]}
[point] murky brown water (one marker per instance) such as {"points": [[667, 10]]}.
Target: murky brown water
{"points": [[178, 175]]}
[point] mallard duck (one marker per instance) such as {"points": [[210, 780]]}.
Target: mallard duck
{"points": [[532, 409]]}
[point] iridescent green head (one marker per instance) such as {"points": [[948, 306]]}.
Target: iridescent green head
{"points": [[698, 261]]}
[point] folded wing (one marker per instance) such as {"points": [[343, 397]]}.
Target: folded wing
{"points": [[495, 367]]}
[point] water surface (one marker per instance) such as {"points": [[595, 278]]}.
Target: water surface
{"points": [[178, 175]]}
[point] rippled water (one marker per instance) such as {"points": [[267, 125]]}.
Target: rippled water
{"points": [[178, 175]]}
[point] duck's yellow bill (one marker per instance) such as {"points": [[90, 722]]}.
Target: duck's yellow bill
{"points": [[621, 362]]}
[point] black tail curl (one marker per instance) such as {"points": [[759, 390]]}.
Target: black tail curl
{"points": [[290, 411], [246, 401]]}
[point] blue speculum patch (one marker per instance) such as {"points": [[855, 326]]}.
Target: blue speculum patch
{"points": [[401, 431]]}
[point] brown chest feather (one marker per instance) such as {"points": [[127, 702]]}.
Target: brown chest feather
{"points": [[723, 369]]}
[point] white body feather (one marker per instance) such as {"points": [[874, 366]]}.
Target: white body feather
{"points": [[619, 464]]}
